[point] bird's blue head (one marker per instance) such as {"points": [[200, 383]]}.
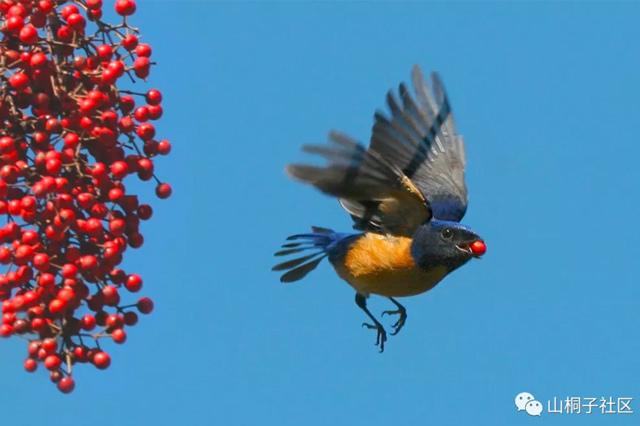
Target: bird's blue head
{"points": [[451, 244]]}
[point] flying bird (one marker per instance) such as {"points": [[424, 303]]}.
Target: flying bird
{"points": [[406, 194]]}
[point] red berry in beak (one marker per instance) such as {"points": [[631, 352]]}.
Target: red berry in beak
{"points": [[478, 248]]}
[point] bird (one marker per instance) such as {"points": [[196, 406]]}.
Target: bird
{"points": [[406, 195]]}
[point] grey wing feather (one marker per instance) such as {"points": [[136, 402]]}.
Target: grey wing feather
{"points": [[420, 138], [371, 188]]}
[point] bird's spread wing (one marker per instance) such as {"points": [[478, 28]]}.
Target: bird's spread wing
{"points": [[375, 191], [420, 139]]}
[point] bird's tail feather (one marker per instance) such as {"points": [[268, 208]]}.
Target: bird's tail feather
{"points": [[321, 240]]}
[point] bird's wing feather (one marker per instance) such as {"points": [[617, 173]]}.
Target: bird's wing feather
{"points": [[420, 139], [377, 194]]}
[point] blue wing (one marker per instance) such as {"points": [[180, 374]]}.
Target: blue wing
{"points": [[420, 139]]}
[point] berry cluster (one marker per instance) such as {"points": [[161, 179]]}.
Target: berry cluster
{"points": [[68, 139]]}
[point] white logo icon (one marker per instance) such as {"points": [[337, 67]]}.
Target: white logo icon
{"points": [[526, 402], [533, 408]]}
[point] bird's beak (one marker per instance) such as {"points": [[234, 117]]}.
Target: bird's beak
{"points": [[475, 248]]}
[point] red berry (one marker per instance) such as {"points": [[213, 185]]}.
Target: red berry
{"points": [[86, 200], [39, 325], [126, 124], [94, 14], [38, 59], [119, 169], [153, 97], [109, 76], [55, 376], [143, 50], [478, 248], [40, 138], [87, 105], [136, 240], [80, 353], [45, 6], [6, 330], [66, 385], [8, 318], [34, 347], [49, 346], [17, 10], [23, 254], [99, 169], [105, 52], [65, 33], [30, 365], [41, 261], [145, 165], [96, 96], [30, 297], [52, 362], [127, 103], [145, 211], [54, 166], [116, 195], [69, 270], [145, 305], [14, 24], [119, 336], [141, 63], [141, 114], [29, 34], [110, 295], [102, 360], [71, 140], [21, 326], [69, 10], [5, 255], [109, 118], [46, 280], [163, 191], [117, 227], [94, 4], [88, 322], [67, 294], [130, 318], [19, 81], [125, 7], [38, 19], [101, 318], [87, 263], [114, 321], [7, 144], [57, 306], [146, 131], [94, 226], [134, 283], [117, 66], [130, 42], [53, 126], [76, 21], [155, 112]]}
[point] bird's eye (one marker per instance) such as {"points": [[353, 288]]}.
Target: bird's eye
{"points": [[447, 233]]}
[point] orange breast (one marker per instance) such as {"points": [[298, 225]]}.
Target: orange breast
{"points": [[383, 265], [374, 253]]}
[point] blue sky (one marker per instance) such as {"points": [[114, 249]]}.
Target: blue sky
{"points": [[546, 95]]}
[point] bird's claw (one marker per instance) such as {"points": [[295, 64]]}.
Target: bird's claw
{"points": [[401, 321], [381, 338]]}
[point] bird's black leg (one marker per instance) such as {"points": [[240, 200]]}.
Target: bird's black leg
{"points": [[382, 334], [403, 316]]}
